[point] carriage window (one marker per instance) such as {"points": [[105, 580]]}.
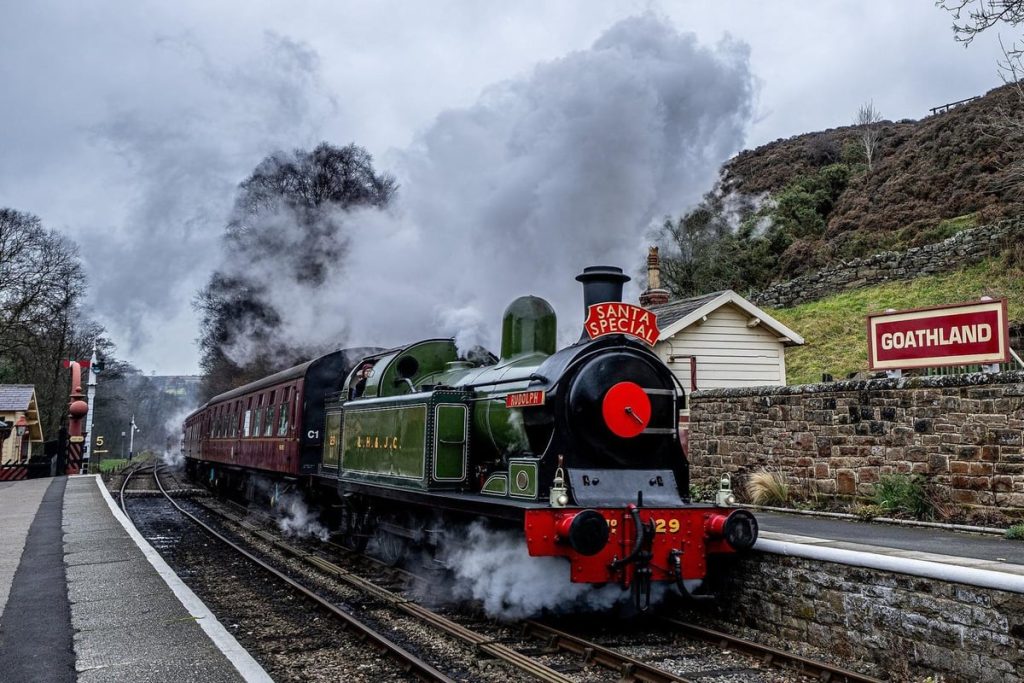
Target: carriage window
{"points": [[282, 420], [268, 422], [247, 420], [257, 417]]}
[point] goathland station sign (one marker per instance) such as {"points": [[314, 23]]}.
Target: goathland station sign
{"points": [[959, 334]]}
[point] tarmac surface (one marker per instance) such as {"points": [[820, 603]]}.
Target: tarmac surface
{"points": [[86, 600], [983, 551]]}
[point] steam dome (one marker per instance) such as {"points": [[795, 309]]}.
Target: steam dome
{"points": [[528, 326]]}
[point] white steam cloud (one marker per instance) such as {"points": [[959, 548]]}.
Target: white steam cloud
{"points": [[295, 518], [172, 455], [567, 166], [494, 567]]}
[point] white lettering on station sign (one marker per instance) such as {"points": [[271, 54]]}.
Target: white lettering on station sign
{"points": [[959, 334]]}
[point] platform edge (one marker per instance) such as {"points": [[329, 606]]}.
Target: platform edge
{"points": [[239, 657], [981, 578]]}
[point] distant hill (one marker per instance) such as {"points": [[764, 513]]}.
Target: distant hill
{"points": [[931, 176], [185, 386], [796, 205]]}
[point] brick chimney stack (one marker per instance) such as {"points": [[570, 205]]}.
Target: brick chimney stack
{"points": [[654, 295]]}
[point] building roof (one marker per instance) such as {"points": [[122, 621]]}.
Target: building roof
{"points": [[678, 315], [677, 310], [16, 397]]}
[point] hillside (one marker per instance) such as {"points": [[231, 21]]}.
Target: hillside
{"points": [[938, 168], [796, 205]]}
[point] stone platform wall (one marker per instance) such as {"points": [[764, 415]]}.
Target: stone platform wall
{"points": [[964, 248], [964, 433], [897, 627]]}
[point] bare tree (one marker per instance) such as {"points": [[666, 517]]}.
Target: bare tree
{"points": [[972, 17], [42, 286], [868, 133], [1006, 123], [287, 218]]}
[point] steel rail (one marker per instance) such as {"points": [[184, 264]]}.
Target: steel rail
{"points": [[124, 484], [408, 659], [480, 642], [823, 671], [629, 668]]}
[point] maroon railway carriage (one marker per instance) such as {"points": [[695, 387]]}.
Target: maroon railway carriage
{"points": [[273, 426]]}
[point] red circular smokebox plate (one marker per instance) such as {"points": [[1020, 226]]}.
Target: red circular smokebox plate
{"points": [[626, 409]]}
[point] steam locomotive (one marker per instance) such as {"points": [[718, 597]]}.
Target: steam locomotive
{"points": [[577, 447]]}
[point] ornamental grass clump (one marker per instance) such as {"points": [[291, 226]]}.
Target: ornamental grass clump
{"points": [[769, 487], [1015, 532], [899, 494]]}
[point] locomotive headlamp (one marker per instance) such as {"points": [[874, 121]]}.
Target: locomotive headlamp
{"points": [[725, 495], [559, 496], [587, 531]]}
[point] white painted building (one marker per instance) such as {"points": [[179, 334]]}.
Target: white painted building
{"points": [[717, 340], [721, 340]]}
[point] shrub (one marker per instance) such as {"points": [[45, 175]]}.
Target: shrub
{"points": [[867, 512], [768, 487], [1015, 532], [902, 494], [704, 492]]}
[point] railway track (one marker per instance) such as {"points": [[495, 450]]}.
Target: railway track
{"points": [[408, 661], [627, 668]]}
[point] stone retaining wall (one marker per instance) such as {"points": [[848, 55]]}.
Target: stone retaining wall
{"points": [[963, 433], [963, 248], [897, 627]]}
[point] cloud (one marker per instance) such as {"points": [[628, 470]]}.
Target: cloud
{"points": [[565, 166], [185, 157]]}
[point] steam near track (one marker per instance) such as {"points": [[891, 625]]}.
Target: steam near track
{"points": [[494, 568]]}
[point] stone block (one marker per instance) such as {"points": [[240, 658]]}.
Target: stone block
{"points": [[846, 482], [867, 475]]}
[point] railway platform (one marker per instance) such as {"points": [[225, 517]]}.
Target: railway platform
{"points": [[83, 597], [983, 560]]}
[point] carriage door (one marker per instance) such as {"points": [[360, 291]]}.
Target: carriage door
{"points": [[450, 425]]}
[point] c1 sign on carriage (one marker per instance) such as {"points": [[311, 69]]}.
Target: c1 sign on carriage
{"points": [[617, 318], [959, 334]]}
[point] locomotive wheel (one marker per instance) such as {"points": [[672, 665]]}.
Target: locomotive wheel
{"points": [[389, 548], [352, 531]]}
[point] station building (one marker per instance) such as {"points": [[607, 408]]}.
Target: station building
{"points": [[19, 409], [717, 340]]}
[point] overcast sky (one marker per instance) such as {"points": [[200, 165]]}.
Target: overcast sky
{"points": [[127, 125]]}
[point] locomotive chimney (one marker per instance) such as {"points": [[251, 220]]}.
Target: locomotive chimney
{"points": [[600, 284], [654, 295]]}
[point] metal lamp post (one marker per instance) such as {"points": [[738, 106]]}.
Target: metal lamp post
{"points": [[131, 439]]}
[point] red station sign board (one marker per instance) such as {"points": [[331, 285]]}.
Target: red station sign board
{"points": [[618, 318], [959, 334]]}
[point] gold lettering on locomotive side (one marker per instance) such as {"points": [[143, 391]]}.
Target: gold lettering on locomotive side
{"points": [[376, 442]]}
